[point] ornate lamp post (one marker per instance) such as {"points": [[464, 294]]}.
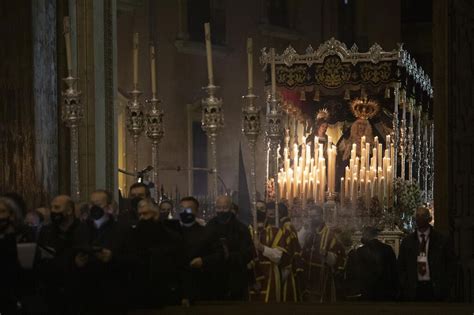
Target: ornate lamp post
{"points": [[212, 115], [72, 113], [274, 132], [135, 121], [251, 129], [155, 132], [154, 123]]}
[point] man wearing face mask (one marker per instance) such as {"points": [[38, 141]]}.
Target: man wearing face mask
{"points": [[426, 262], [195, 286], [56, 253], [231, 246], [104, 200], [323, 254], [9, 266], [95, 242], [153, 254]]}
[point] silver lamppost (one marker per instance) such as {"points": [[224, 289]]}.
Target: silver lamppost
{"points": [[72, 113], [154, 122], [155, 132], [135, 123], [274, 133], [212, 121], [251, 128]]}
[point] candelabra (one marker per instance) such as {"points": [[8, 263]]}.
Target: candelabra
{"points": [[155, 132], [426, 164], [403, 134], [431, 161], [212, 121], [418, 145], [395, 134], [135, 123], [72, 115], [410, 148], [251, 129], [274, 134]]}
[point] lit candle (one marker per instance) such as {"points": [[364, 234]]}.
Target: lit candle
{"points": [[207, 36], [153, 70], [135, 60], [342, 190], [250, 64], [67, 39]]}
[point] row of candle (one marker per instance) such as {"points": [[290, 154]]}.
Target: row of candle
{"points": [[306, 174], [368, 176]]}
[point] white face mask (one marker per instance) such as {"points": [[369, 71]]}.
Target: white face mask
{"points": [[98, 223]]}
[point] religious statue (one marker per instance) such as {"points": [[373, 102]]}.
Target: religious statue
{"points": [[321, 124], [363, 110]]}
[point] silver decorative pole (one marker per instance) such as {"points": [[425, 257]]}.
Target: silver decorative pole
{"points": [[155, 132], [72, 113], [432, 164], [251, 128], [426, 164], [418, 144], [410, 147], [396, 129], [154, 123], [403, 134], [212, 114], [135, 123], [212, 121], [135, 120], [274, 133]]}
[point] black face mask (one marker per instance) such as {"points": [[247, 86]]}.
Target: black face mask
{"points": [[261, 216], [134, 203], [96, 212], [4, 223], [224, 217], [57, 218], [187, 218]]}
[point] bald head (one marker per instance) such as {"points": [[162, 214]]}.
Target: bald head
{"points": [[223, 204], [62, 203], [423, 218]]}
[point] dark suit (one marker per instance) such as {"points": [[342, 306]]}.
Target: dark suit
{"points": [[372, 269], [231, 248], [441, 262]]}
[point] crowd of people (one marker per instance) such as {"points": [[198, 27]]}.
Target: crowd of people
{"points": [[96, 257]]}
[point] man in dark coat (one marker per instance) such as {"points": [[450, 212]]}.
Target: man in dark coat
{"points": [[9, 265], [372, 269], [426, 263], [231, 247], [195, 286], [96, 271], [153, 255], [55, 260]]}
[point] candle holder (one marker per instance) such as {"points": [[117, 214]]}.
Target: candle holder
{"points": [[396, 130], [155, 132], [403, 136], [135, 123], [212, 121], [418, 155], [426, 163], [72, 114], [274, 134], [251, 128], [411, 136]]}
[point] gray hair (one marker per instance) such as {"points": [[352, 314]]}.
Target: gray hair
{"points": [[11, 206]]}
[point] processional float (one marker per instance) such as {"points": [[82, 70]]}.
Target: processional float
{"points": [[377, 108]]}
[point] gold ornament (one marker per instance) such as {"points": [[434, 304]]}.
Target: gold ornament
{"points": [[364, 109]]}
